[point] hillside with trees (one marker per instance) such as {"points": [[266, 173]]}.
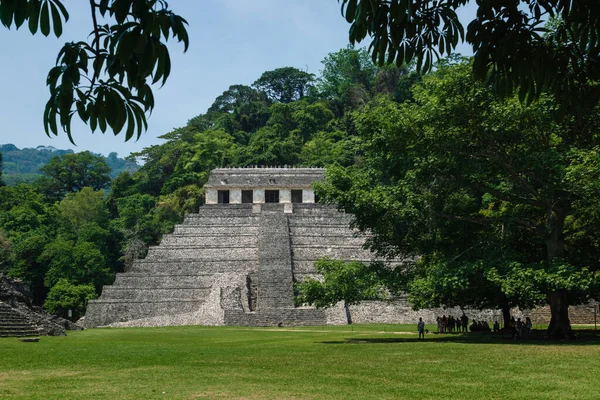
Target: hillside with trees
{"points": [[495, 197], [23, 165]]}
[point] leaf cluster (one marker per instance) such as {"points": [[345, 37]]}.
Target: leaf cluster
{"points": [[106, 81], [515, 49]]}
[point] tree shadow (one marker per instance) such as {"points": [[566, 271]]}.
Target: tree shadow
{"points": [[584, 339]]}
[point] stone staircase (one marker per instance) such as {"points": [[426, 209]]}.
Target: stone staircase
{"points": [[275, 263], [13, 323], [275, 297]]}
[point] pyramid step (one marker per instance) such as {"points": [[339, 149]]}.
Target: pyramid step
{"points": [[220, 220], [225, 209], [209, 241], [205, 253], [220, 230], [194, 266], [153, 294], [161, 281]]}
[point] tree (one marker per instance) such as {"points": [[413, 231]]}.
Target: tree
{"points": [[27, 248], [79, 262], [270, 146], [65, 296], [348, 78], [22, 209], [73, 172], [81, 208], [330, 148], [105, 81], [236, 97], [247, 106], [285, 84], [512, 46], [496, 199], [348, 282], [7, 255]]}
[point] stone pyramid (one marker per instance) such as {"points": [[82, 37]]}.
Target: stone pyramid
{"points": [[234, 262]]}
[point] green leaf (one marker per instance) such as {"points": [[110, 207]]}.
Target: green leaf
{"points": [[34, 16], [21, 13], [63, 10], [81, 111], [351, 10], [111, 105], [93, 123], [121, 9], [127, 44], [45, 19], [102, 123], [56, 21], [6, 13], [140, 119], [130, 124], [121, 116], [103, 7]]}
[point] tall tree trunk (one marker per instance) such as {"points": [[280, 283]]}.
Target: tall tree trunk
{"points": [[560, 326], [348, 315], [506, 313]]}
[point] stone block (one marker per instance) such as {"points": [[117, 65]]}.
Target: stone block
{"points": [[259, 196], [285, 196], [235, 196], [211, 196], [308, 196]]}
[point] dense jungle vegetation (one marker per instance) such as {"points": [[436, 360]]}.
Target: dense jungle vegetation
{"points": [[496, 197]]}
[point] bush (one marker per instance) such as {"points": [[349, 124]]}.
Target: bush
{"points": [[64, 296]]}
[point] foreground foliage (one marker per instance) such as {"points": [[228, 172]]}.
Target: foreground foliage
{"points": [[307, 363], [514, 46], [106, 81]]}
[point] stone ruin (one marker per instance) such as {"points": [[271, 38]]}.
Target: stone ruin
{"points": [[235, 261], [20, 317]]}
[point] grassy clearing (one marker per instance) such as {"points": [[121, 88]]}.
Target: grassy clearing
{"points": [[366, 361]]}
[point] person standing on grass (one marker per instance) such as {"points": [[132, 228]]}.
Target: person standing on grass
{"points": [[421, 328], [528, 326], [513, 327]]}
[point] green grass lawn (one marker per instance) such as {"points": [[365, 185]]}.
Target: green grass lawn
{"points": [[362, 362]]}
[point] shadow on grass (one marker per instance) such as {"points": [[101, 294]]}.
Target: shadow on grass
{"points": [[587, 339]]}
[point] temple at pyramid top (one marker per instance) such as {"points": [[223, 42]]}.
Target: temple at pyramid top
{"points": [[262, 185]]}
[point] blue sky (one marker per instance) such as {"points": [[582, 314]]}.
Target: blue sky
{"points": [[231, 42]]}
